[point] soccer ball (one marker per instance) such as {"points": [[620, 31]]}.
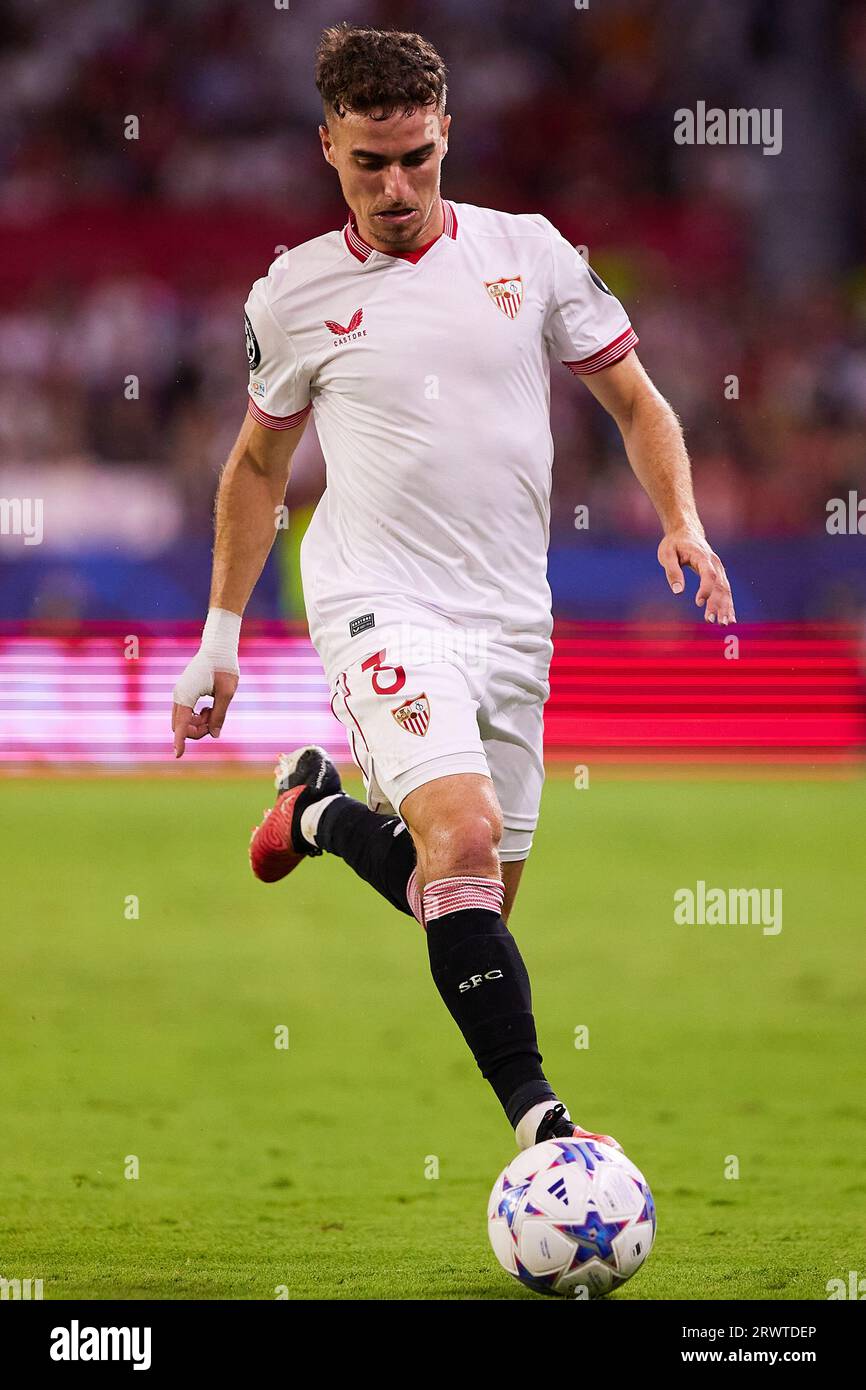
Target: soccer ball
{"points": [[571, 1217]]}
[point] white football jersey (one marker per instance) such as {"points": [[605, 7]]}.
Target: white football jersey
{"points": [[428, 374]]}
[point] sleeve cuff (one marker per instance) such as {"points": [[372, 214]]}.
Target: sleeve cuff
{"points": [[277, 422], [606, 356]]}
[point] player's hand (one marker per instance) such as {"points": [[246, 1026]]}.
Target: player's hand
{"points": [[687, 547], [214, 670], [186, 721]]}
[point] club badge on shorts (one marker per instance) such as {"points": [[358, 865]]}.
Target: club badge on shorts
{"points": [[507, 294], [414, 715]]}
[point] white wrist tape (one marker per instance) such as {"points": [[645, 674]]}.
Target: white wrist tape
{"points": [[218, 652], [220, 637]]}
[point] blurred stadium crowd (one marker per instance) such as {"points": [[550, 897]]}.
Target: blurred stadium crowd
{"points": [[733, 264]]}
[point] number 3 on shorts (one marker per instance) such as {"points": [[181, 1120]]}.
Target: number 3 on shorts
{"points": [[374, 664]]}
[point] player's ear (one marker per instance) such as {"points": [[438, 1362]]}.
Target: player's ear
{"points": [[443, 134], [327, 144]]}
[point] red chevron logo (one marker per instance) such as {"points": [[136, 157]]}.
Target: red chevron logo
{"points": [[353, 325]]}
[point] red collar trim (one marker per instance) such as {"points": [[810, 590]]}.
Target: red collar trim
{"points": [[362, 251]]}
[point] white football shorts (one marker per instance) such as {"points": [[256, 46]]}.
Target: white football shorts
{"points": [[415, 708]]}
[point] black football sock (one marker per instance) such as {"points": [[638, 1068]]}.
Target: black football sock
{"points": [[480, 975], [374, 846]]}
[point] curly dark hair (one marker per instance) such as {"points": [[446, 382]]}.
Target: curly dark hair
{"points": [[377, 72]]}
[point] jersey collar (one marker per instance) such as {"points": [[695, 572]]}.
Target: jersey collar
{"points": [[362, 251]]}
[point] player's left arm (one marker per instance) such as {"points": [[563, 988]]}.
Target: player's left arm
{"points": [[656, 450]]}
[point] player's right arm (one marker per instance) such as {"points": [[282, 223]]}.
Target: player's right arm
{"points": [[251, 492], [252, 488]]}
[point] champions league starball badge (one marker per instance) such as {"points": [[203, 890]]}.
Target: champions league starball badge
{"points": [[254, 352]]}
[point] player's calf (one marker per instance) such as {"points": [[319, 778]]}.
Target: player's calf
{"points": [[475, 962], [479, 972], [379, 849]]}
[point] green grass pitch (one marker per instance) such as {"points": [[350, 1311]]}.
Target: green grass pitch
{"points": [[304, 1168]]}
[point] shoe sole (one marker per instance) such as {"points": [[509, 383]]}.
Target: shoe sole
{"points": [[271, 852]]}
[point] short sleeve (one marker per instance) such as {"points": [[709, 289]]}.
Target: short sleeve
{"points": [[279, 390], [586, 326]]}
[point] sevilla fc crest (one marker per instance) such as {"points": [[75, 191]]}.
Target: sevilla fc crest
{"points": [[414, 715], [506, 294]]}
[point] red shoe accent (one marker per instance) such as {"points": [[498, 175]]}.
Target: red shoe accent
{"points": [[271, 852], [601, 1138]]}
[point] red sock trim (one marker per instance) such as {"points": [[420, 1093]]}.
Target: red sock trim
{"points": [[446, 895], [414, 897]]}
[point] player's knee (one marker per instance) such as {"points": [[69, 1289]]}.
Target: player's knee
{"points": [[466, 843], [456, 824]]}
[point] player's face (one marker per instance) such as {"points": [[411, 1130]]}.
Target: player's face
{"points": [[389, 174]]}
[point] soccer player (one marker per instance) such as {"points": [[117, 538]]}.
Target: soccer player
{"points": [[420, 335]]}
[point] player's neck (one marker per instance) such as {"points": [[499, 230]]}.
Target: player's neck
{"points": [[432, 229]]}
